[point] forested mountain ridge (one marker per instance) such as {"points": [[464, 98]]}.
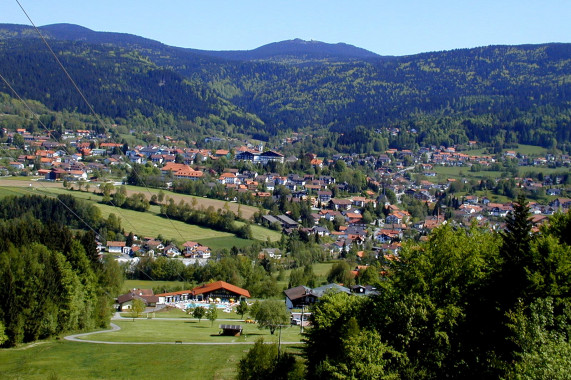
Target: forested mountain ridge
{"points": [[497, 94], [297, 50], [291, 49], [120, 83]]}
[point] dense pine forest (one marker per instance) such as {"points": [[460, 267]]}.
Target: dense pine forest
{"points": [[497, 95], [51, 278]]}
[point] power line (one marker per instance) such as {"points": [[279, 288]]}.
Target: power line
{"points": [[88, 104], [140, 179], [60, 64], [63, 203], [49, 134]]}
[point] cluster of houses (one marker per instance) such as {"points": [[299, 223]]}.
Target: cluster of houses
{"points": [[153, 248], [51, 160]]}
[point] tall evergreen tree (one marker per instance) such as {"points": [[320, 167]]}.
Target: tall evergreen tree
{"points": [[515, 253]]}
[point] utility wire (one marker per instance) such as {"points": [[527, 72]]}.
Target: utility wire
{"points": [[49, 133], [89, 105], [60, 201], [91, 110], [60, 64]]}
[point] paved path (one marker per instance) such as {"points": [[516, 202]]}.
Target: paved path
{"points": [[114, 327]]}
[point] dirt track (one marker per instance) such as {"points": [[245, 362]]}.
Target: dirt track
{"points": [[247, 211]]}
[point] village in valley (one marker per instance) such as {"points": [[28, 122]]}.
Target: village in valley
{"points": [[403, 194], [299, 210]]}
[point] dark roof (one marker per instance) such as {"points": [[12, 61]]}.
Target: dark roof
{"points": [[298, 292], [271, 219], [332, 287], [131, 296], [271, 153], [286, 219]]}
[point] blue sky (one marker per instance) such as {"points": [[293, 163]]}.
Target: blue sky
{"points": [[397, 27]]}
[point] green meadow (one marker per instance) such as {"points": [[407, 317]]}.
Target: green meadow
{"points": [[189, 330], [147, 284], [71, 360], [319, 269], [458, 172], [61, 359], [150, 223], [527, 150]]}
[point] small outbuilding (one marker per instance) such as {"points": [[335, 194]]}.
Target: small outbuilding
{"points": [[232, 330]]}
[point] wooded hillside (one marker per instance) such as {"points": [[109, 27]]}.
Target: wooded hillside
{"points": [[496, 94]]}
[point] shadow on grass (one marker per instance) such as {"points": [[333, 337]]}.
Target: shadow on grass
{"points": [[190, 322]]}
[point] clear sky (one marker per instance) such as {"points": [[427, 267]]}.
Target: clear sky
{"points": [[395, 27]]}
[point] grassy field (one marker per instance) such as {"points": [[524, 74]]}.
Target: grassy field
{"points": [[321, 269], [72, 360], [60, 359], [149, 223], [444, 172], [457, 172], [143, 284], [262, 233], [246, 211], [528, 150], [189, 330]]}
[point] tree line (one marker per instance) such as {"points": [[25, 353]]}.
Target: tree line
{"points": [[51, 278], [468, 303]]}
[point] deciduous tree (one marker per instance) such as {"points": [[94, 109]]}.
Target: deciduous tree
{"points": [[199, 313], [212, 313], [270, 314], [137, 307], [242, 308]]}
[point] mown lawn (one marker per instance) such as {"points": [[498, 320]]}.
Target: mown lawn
{"points": [[72, 360], [10, 191], [60, 359], [178, 313], [191, 330]]}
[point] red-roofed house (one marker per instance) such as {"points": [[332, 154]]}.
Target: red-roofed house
{"points": [[181, 171], [219, 289]]}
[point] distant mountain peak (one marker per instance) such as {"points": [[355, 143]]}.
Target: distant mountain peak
{"points": [[314, 49]]}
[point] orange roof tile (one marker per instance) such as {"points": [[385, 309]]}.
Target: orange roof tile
{"points": [[220, 285]]}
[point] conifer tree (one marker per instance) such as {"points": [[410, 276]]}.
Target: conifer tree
{"points": [[515, 253]]}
